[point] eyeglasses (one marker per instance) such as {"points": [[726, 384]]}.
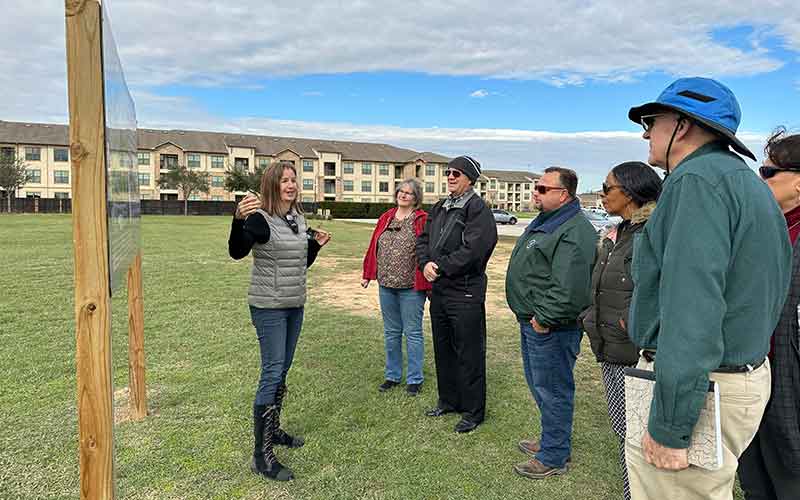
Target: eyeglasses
{"points": [[289, 218], [648, 121], [407, 193], [608, 187], [451, 171], [768, 172], [544, 189]]}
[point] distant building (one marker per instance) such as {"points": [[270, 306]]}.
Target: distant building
{"points": [[591, 199]]}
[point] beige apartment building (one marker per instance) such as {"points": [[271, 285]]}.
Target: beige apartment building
{"points": [[327, 170]]}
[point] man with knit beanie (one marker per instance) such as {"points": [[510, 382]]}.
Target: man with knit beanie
{"points": [[452, 251]]}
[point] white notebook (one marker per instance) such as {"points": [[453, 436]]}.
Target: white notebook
{"points": [[705, 446]]}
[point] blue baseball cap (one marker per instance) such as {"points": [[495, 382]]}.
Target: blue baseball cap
{"points": [[705, 100]]}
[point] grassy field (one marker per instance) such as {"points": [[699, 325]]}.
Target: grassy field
{"points": [[202, 366]]}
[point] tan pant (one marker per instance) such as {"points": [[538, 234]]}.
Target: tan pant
{"points": [[743, 398]]}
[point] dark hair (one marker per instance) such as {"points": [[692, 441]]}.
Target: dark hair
{"points": [[638, 180], [567, 178], [783, 149]]}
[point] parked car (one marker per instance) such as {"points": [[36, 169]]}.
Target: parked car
{"points": [[503, 217], [599, 221]]}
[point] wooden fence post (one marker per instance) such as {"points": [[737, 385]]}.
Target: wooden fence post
{"points": [[136, 366]]}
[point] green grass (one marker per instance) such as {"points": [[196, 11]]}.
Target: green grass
{"points": [[202, 366]]}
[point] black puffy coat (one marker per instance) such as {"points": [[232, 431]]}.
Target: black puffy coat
{"points": [[612, 289]]}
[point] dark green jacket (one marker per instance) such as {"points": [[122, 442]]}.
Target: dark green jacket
{"points": [[612, 289], [711, 271], [550, 269]]}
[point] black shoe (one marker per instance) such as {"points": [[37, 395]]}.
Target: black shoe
{"points": [[387, 384], [413, 389], [264, 462], [465, 425], [281, 437], [437, 412]]}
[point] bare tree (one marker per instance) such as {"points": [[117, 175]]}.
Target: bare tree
{"points": [[13, 175], [186, 181]]}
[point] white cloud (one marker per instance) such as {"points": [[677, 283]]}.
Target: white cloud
{"points": [[479, 94]]}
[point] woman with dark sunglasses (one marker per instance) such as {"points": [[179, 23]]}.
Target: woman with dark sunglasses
{"points": [[392, 261], [272, 226], [770, 466], [630, 192]]}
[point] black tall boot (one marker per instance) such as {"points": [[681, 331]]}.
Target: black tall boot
{"points": [[264, 461], [281, 437]]}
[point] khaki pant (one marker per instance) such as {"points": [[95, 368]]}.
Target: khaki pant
{"points": [[743, 398]]}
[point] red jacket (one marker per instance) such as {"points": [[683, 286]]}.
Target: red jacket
{"points": [[371, 258]]}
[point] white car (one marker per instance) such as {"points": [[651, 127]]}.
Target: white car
{"points": [[503, 217]]}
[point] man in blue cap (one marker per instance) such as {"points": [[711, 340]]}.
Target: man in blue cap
{"points": [[711, 271]]}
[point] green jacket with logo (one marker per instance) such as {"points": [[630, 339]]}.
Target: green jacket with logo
{"points": [[549, 274], [711, 270]]}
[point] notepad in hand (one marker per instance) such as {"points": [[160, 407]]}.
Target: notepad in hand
{"points": [[705, 445]]}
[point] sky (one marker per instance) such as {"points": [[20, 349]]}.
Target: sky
{"points": [[516, 84]]}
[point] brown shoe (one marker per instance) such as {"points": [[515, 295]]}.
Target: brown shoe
{"points": [[531, 448], [534, 469]]}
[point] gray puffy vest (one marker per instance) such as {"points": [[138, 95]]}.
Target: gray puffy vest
{"points": [[278, 279]]}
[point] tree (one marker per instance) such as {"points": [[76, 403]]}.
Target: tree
{"points": [[241, 179], [13, 175], [186, 181]]}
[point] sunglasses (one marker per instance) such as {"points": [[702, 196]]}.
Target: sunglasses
{"points": [[767, 172], [544, 189], [648, 121], [608, 187], [451, 171]]}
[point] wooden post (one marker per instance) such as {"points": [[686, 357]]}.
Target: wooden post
{"points": [[90, 242], [136, 380]]}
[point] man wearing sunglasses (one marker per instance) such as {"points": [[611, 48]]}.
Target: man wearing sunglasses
{"points": [[548, 284], [452, 251], [711, 271]]}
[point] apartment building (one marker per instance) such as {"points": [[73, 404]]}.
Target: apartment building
{"points": [[327, 170]]}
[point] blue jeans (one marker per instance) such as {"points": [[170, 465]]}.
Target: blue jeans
{"points": [[548, 360], [402, 315], [277, 331]]}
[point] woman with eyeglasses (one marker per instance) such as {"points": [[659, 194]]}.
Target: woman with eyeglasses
{"points": [[392, 261], [630, 191], [770, 466], [273, 228]]}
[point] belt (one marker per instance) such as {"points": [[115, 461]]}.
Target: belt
{"points": [[650, 356]]}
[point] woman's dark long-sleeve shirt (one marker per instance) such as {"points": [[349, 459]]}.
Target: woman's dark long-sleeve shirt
{"points": [[248, 232]]}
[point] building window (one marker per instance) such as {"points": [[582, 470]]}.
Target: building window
{"points": [[61, 154], [216, 198], [502, 186], [144, 179], [308, 199], [61, 176], [217, 181], [36, 175], [383, 187], [482, 186], [398, 172], [168, 161], [502, 196], [492, 184], [308, 184], [33, 154], [33, 194], [347, 199], [143, 158], [263, 162], [527, 197], [61, 195], [383, 169], [526, 186], [218, 162], [7, 153], [366, 169], [430, 170], [366, 186], [366, 200], [347, 167], [428, 187], [347, 185], [329, 169], [308, 166], [194, 197], [241, 163], [444, 187], [193, 160]]}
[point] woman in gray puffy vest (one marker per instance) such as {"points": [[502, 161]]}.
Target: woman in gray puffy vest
{"points": [[272, 226]]}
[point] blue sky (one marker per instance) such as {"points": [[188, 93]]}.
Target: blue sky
{"points": [[528, 85]]}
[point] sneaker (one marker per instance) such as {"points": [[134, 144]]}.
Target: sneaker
{"points": [[387, 384], [534, 469], [531, 448], [413, 389]]}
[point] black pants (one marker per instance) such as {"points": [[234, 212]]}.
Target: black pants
{"points": [[762, 473], [459, 347]]}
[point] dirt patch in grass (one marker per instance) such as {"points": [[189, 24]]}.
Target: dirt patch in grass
{"points": [[122, 408]]}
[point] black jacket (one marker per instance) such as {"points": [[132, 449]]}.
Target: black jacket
{"points": [[612, 289], [460, 241], [782, 417]]}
